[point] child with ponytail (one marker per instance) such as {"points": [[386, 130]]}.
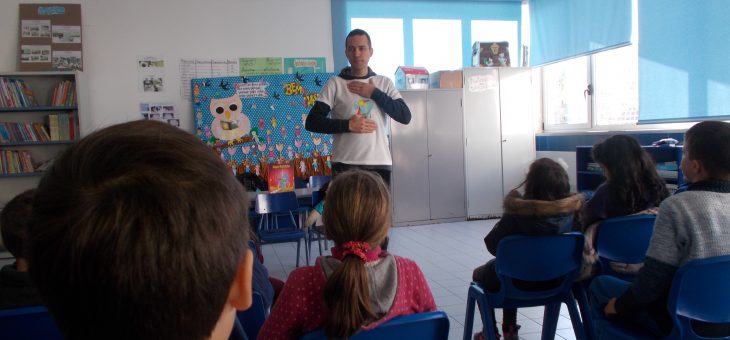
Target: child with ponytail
{"points": [[360, 286]]}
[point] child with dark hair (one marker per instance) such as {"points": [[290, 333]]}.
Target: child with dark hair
{"points": [[632, 182], [139, 232], [546, 208], [690, 225], [16, 288], [632, 186], [359, 286]]}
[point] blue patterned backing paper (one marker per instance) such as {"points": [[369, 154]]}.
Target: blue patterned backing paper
{"points": [[255, 121]]}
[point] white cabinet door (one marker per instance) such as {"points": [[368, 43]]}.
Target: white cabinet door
{"points": [[446, 154], [409, 147], [518, 127], [483, 154]]}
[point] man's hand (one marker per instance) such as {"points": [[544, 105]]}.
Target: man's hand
{"points": [[363, 89], [360, 124], [610, 308]]}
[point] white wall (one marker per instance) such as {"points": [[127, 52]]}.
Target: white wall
{"points": [[117, 32]]}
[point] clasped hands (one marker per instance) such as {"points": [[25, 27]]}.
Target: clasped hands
{"points": [[358, 123]]}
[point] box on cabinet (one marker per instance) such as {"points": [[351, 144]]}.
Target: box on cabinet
{"points": [[490, 54], [410, 77], [447, 79]]}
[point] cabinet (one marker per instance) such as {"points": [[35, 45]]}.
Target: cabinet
{"points": [[464, 149], [428, 159], [499, 135], [25, 127], [668, 158]]}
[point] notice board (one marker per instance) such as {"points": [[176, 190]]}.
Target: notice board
{"points": [[50, 37]]}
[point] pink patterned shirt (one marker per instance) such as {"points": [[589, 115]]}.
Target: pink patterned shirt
{"points": [[300, 307]]}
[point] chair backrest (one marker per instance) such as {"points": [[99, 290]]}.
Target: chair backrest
{"points": [[317, 196], [699, 292], [538, 258], [623, 239], [422, 326], [253, 318], [28, 323], [276, 203], [318, 181]]}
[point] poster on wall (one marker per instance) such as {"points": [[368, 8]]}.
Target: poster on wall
{"points": [[304, 65], [255, 122], [50, 37], [151, 74]]}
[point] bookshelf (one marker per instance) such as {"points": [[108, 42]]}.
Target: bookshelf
{"points": [[39, 118], [589, 176]]}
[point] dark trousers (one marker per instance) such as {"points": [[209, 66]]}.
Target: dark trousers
{"points": [[486, 276], [342, 167]]}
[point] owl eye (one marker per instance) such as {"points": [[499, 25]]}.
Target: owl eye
{"points": [[219, 109], [233, 107]]}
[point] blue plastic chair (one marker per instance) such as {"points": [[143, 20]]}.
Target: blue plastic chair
{"points": [[271, 208], [314, 233], [28, 323], [531, 258], [699, 292], [623, 239], [318, 181], [422, 326]]}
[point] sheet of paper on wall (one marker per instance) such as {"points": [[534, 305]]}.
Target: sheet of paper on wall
{"points": [[260, 66], [304, 65], [50, 37], [199, 68], [151, 74], [164, 112]]}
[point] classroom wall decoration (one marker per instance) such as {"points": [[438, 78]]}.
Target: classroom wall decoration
{"points": [[254, 122], [50, 37]]}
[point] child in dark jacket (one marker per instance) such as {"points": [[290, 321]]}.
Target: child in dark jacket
{"points": [[16, 288], [546, 208]]}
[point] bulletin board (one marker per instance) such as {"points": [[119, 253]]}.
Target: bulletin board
{"points": [[254, 122], [50, 37]]}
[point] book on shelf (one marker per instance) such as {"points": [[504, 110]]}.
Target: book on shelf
{"points": [[15, 93], [52, 122], [64, 94], [12, 132], [15, 162]]}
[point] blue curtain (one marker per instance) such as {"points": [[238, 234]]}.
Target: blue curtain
{"points": [[683, 60], [465, 10], [563, 29]]}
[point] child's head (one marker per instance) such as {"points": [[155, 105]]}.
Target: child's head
{"points": [[13, 223], [139, 232], [546, 180], [621, 156], [357, 209], [707, 151], [630, 170]]}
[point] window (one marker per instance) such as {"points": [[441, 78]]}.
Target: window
{"points": [[434, 34], [616, 90], [387, 38], [437, 44], [590, 92], [564, 85]]}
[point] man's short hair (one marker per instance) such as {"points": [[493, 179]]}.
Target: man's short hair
{"points": [[14, 222], [358, 31], [709, 144], [138, 231]]}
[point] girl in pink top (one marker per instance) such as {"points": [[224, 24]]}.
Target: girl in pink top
{"points": [[359, 286]]}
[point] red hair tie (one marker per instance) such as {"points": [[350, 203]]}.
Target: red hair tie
{"points": [[357, 248]]}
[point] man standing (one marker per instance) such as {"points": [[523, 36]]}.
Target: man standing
{"points": [[358, 103]]}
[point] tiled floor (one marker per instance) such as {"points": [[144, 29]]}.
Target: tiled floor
{"points": [[447, 253]]}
